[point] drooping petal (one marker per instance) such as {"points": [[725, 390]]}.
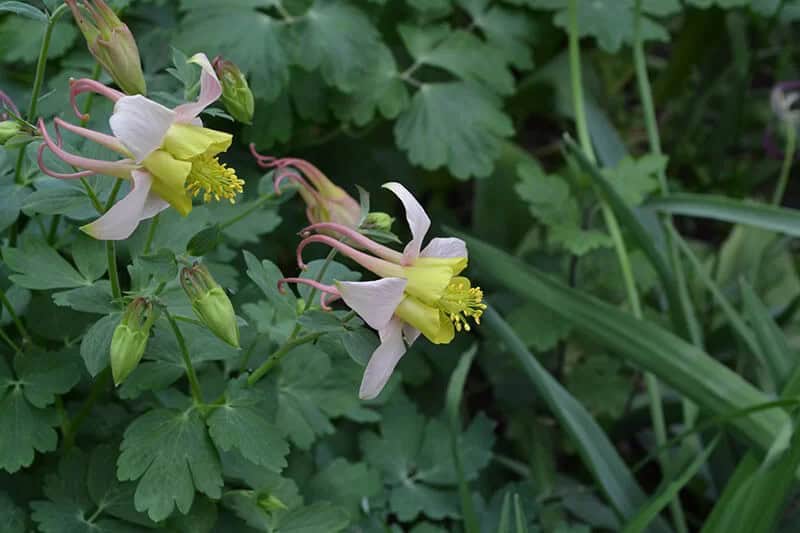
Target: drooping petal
{"points": [[374, 301], [210, 91], [445, 247], [140, 124], [418, 220], [121, 220], [383, 360]]}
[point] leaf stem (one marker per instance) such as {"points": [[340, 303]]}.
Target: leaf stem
{"points": [[151, 233], [788, 159], [113, 275], [276, 357], [194, 384], [264, 198], [14, 317], [652, 385], [98, 386], [112, 197], [11, 344], [92, 196]]}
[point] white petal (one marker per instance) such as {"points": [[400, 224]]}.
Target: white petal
{"points": [[383, 360], [140, 124], [445, 247], [418, 220], [374, 301], [210, 91], [120, 221], [410, 333]]}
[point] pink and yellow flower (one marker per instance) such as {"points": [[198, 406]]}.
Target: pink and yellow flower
{"points": [[325, 201], [420, 291], [168, 156]]}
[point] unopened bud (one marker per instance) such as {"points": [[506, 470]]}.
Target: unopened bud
{"points": [[210, 303], [111, 43], [130, 338], [270, 503], [379, 221], [236, 94], [8, 128]]}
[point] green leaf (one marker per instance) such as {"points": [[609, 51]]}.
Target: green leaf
{"points": [[745, 212], [26, 430], [339, 40], [240, 423], [256, 45], [22, 9], [95, 298], [456, 124], [345, 484], [39, 266], [12, 196], [169, 452], [313, 518], [106, 491], [15, 518], [461, 53], [266, 275], [634, 179], [204, 241], [686, 368], [46, 374], [598, 454], [90, 257], [538, 326], [598, 381], [59, 197], [96, 343], [20, 39], [507, 30]]}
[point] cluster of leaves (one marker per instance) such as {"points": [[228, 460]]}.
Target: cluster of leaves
{"points": [[464, 101]]}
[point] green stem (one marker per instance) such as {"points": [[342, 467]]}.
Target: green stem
{"points": [[87, 106], [113, 275], [788, 159], [194, 384], [247, 212], [98, 206], [151, 233], [98, 387], [113, 196], [652, 385], [276, 357], [14, 317], [11, 344]]}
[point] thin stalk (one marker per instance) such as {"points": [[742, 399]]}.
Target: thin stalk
{"points": [[113, 196], [151, 233], [11, 344], [194, 384], [98, 206], [99, 385], [113, 275], [788, 159], [276, 357], [14, 317], [652, 385]]}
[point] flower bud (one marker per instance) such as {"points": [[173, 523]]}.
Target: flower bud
{"points": [[270, 503], [379, 221], [130, 338], [8, 129], [111, 43], [210, 303], [236, 94]]}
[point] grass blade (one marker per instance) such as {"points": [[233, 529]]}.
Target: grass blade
{"points": [[728, 210], [770, 337], [598, 454]]}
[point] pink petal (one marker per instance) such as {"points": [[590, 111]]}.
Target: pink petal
{"points": [[210, 91], [445, 247], [140, 124], [102, 139], [383, 360], [418, 220], [121, 220], [374, 301]]}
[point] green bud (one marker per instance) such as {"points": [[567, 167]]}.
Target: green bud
{"points": [[8, 128], [111, 43], [236, 94], [270, 503], [377, 220], [130, 338], [210, 303]]}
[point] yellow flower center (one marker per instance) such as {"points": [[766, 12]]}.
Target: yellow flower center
{"points": [[215, 179], [461, 301]]}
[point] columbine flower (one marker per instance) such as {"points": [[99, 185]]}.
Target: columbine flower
{"points": [[325, 201], [420, 290], [111, 43], [168, 155], [783, 98]]}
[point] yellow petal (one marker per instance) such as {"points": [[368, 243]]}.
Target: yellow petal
{"points": [[185, 141], [169, 179], [457, 264], [432, 322], [428, 283]]}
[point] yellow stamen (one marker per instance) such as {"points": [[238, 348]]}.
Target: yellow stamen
{"points": [[461, 301], [215, 179]]}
